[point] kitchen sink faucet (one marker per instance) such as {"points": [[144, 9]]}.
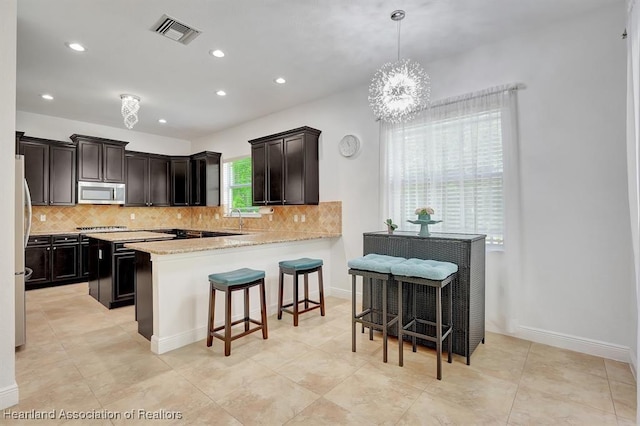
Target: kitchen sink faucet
{"points": [[239, 216]]}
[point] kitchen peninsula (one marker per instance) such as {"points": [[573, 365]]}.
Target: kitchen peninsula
{"points": [[172, 290]]}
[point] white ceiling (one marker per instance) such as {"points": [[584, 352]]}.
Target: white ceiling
{"points": [[319, 46]]}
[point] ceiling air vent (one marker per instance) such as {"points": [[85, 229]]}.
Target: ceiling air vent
{"points": [[177, 31]]}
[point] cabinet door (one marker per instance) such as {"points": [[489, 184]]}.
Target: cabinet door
{"points": [[259, 174], [124, 270], [84, 259], [159, 188], [36, 171], [113, 167], [137, 180], [275, 167], [294, 170], [62, 176], [64, 262], [180, 182], [89, 161], [38, 259], [197, 182]]}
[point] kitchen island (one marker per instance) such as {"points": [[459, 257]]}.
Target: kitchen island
{"points": [[112, 267], [172, 289]]}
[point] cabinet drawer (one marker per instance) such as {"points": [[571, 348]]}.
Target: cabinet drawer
{"points": [[66, 239], [39, 240], [119, 247]]}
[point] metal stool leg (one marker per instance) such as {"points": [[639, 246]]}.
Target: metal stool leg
{"points": [[450, 336]]}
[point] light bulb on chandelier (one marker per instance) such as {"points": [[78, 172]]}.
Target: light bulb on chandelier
{"points": [[129, 110], [401, 89]]}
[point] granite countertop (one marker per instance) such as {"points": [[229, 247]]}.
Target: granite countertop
{"points": [[129, 236], [216, 243], [186, 228]]}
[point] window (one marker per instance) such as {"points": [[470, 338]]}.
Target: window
{"points": [[237, 185], [451, 159]]}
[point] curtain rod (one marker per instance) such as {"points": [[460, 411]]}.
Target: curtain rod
{"points": [[489, 91], [485, 92]]}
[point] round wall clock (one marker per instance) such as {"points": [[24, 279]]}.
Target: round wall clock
{"points": [[349, 145]]}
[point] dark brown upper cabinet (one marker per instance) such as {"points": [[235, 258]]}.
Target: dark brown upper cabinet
{"points": [[204, 179], [285, 167], [180, 181], [147, 179], [50, 170], [100, 160]]}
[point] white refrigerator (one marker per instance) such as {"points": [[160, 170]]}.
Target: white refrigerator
{"points": [[22, 229]]}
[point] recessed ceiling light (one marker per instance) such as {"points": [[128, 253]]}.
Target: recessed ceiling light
{"points": [[76, 46], [217, 53], [162, 121], [280, 80], [221, 93], [46, 96]]}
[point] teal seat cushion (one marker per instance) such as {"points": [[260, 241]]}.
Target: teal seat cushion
{"points": [[429, 269], [301, 264], [375, 262], [239, 276]]}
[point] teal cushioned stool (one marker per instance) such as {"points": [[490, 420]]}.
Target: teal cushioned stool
{"points": [[228, 282], [434, 274], [303, 266], [374, 269]]}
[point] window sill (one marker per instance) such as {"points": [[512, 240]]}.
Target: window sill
{"points": [[244, 215]]}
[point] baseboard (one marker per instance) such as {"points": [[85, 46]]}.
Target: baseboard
{"points": [[341, 293], [9, 396], [633, 362], [573, 343], [165, 344]]}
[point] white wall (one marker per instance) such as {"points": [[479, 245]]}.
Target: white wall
{"points": [[8, 21], [49, 127], [354, 180], [576, 265]]}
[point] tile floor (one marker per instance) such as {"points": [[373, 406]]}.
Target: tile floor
{"points": [[81, 357]]}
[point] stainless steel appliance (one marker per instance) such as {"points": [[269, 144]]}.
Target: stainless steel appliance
{"points": [[100, 193], [22, 229]]}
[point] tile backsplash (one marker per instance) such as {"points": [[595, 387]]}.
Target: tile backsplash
{"points": [[325, 217]]}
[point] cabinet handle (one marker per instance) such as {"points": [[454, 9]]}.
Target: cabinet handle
{"points": [[150, 204], [55, 248], [48, 248]]}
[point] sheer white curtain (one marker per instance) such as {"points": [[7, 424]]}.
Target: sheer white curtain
{"points": [[633, 149], [460, 157]]}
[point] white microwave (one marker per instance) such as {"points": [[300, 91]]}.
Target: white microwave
{"points": [[100, 193]]}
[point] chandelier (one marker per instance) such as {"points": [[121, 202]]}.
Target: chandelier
{"points": [[399, 90], [130, 107]]}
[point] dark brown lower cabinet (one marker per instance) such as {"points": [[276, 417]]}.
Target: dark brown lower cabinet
{"points": [[65, 257], [54, 260], [108, 272], [37, 256]]}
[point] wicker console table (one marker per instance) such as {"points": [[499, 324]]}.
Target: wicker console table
{"points": [[468, 252]]}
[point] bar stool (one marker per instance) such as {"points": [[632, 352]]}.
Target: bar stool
{"points": [[303, 266], [372, 268], [433, 274], [239, 279]]}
